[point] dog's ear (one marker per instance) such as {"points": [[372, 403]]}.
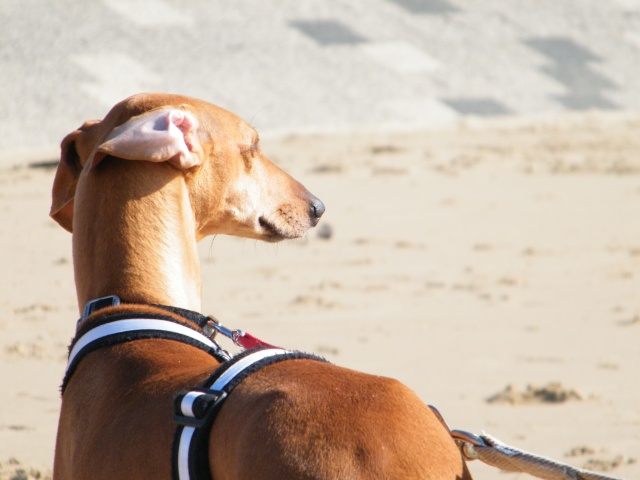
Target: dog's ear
{"points": [[167, 135], [64, 184]]}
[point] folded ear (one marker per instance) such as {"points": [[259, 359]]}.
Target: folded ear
{"points": [[64, 184], [167, 135]]}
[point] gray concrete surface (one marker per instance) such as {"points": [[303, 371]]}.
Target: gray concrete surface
{"points": [[293, 65]]}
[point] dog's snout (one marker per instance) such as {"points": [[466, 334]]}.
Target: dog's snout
{"points": [[316, 209]]}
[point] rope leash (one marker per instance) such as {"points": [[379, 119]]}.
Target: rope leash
{"points": [[493, 452]]}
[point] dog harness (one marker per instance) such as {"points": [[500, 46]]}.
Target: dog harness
{"points": [[196, 409]]}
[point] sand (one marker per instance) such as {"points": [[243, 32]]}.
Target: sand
{"points": [[494, 267]]}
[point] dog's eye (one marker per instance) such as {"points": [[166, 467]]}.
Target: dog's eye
{"points": [[255, 145], [248, 153], [249, 150]]}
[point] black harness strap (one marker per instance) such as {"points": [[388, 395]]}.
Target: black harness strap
{"points": [[118, 337], [196, 409], [113, 301]]}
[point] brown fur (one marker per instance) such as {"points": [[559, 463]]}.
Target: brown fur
{"points": [[135, 226]]}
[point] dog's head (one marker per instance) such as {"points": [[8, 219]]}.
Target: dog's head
{"points": [[233, 187]]}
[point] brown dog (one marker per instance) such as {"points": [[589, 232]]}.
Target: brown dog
{"points": [[138, 190]]}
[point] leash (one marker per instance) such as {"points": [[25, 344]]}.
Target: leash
{"points": [[493, 452], [238, 337]]}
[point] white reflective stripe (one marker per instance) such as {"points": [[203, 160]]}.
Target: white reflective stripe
{"points": [[246, 362], [122, 326], [186, 405], [183, 453]]}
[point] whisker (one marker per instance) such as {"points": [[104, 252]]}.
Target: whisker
{"points": [[210, 255]]}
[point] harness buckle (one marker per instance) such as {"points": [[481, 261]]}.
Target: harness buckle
{"points": [[98, 304], [197, 407]]}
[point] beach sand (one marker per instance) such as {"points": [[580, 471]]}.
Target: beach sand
{"points": [[492, 266]]}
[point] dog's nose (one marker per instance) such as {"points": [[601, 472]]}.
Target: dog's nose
{"points": [[316, 209]]}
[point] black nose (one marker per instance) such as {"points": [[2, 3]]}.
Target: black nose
{"points": [[316, 208]]}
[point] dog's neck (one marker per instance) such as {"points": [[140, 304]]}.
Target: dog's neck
{"points": [[143, 250]]}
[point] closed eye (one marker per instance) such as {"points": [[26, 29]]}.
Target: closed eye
{"points": [[249, 151], [255, 144]]}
